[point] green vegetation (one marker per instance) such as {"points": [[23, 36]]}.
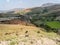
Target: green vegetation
{"points": [[45, 17], [12, 43], [54, 24]]}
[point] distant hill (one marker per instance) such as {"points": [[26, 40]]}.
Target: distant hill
{"points": [[51, 8], [45, 16], [47, 4], [12, 10]]}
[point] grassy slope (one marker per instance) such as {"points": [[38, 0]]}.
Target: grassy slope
{"points": [[8, 32], [17, 34]]}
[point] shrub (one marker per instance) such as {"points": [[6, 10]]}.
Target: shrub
{"points": [[38, 31], [26, 32]]}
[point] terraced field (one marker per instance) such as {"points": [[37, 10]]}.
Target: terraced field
{"points": [[26, 35]]}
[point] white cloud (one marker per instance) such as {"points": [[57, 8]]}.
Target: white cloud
{"points": [[7, 0]]}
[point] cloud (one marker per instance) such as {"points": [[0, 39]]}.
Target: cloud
{"points": [[7, 0]]}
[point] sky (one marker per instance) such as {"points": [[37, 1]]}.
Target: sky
{"points": [[10, 4]]}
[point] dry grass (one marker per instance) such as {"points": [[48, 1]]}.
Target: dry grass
{"points": [[10, 31], [22, 33]]}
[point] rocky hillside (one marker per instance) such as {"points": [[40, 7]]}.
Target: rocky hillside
{"points": [[14, 19]]}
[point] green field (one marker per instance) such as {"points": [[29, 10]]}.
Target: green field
{"points": [[53, 24]]}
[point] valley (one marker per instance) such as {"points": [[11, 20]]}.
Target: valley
{"points": [[31, 26]]}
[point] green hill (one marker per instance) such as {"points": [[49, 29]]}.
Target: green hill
{"points": [[50, 14]]}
